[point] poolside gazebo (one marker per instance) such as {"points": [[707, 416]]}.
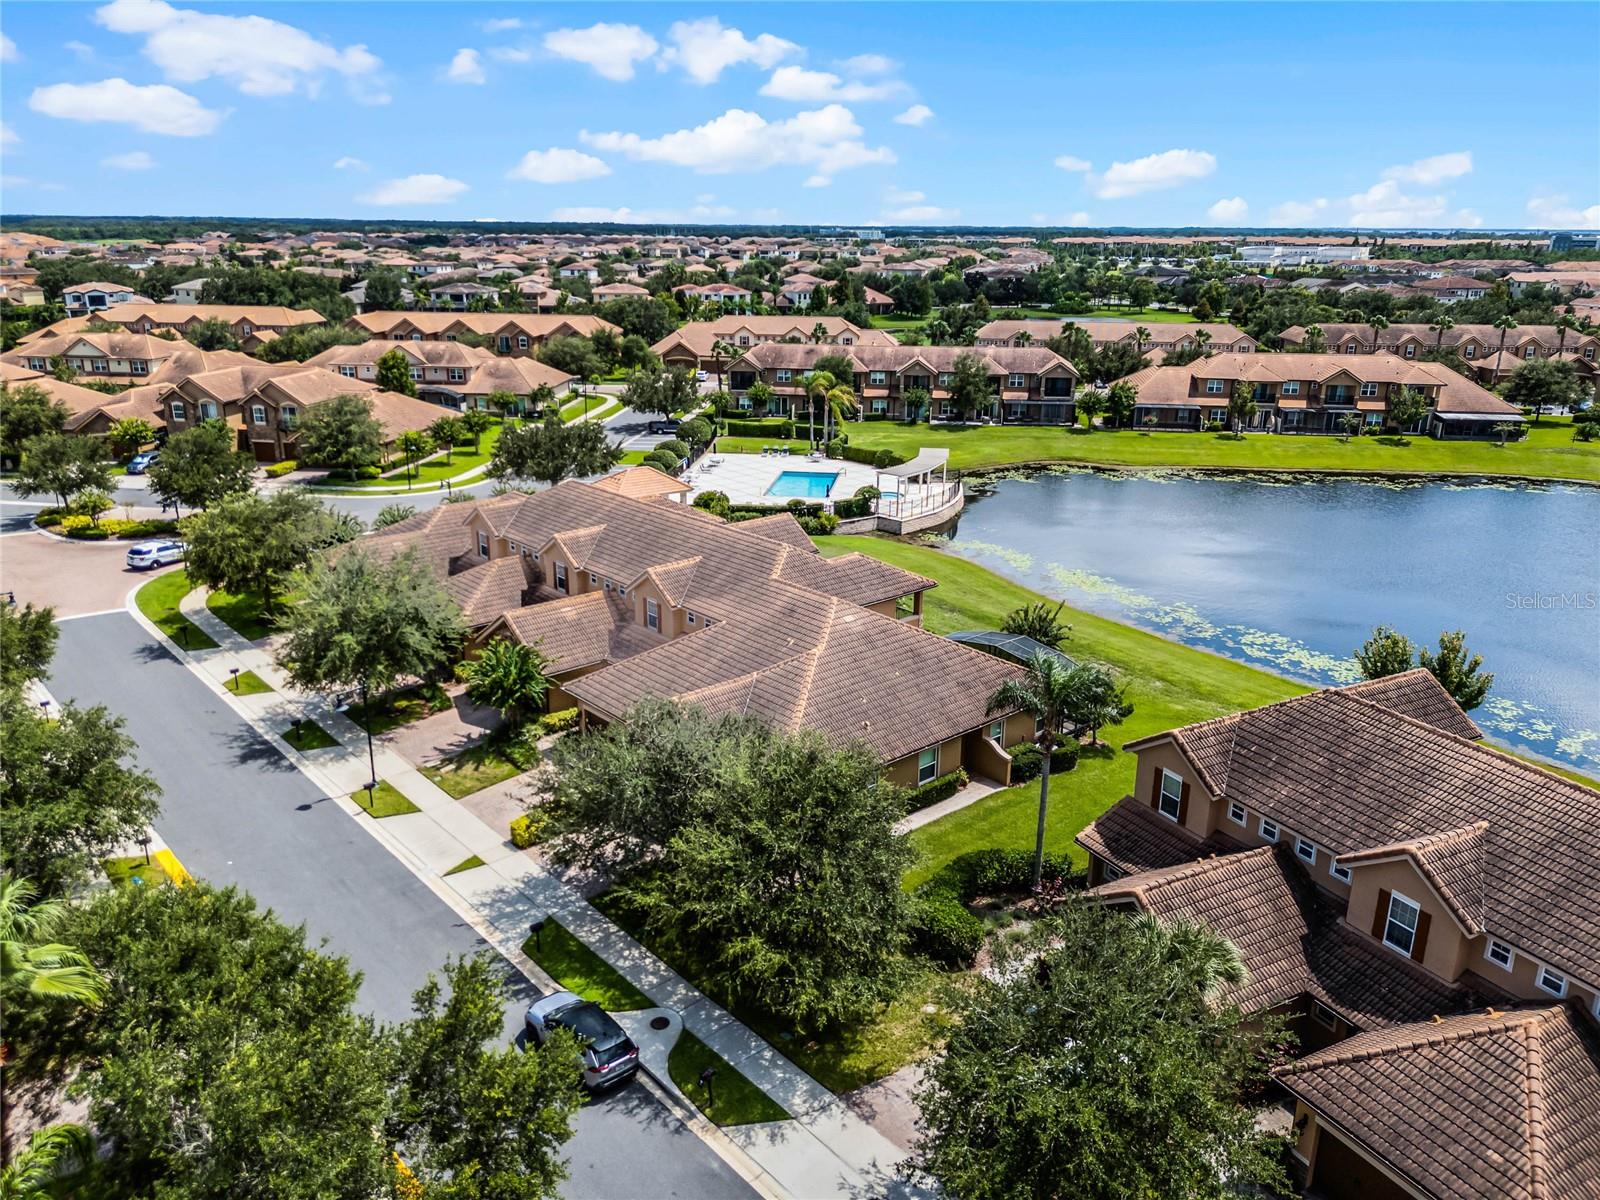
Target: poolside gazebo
{"points": [[915, 490]]}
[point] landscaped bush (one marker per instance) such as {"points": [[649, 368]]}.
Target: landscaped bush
{"points": [[528, 829], [279, 470], [873, 458], [80, 528], [859, 505], [713, 502], [820, 525], [558, 722], [936, 790], [769, 427], [665, 459], [89, 533], [796, 507], [1027, 760], [368, 472], [944, 930], [48, 518], [994, 873], [674, 446]]}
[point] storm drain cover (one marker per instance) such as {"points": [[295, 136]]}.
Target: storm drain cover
{"points": [[660, 1022]]}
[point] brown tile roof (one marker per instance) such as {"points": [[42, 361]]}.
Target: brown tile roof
{"points": [[1488, 1106], [275, 315], [1290, 939], [779, 527], [1418, 694], [436, 324], [934, 359], [1133, 838], [486, 591], [578, 631], [858, 578], [82, 403], [1355, 776], [699, 336]]}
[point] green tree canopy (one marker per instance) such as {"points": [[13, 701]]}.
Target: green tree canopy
{"points": [[34, 967], [1385, 653], [340, 434], [128, 434], [1541, 383], [1457, 669], [1095, 1060], [1042, 622], [200, 466], [211, 334], [507, 676], [61, 465], [572, 354], [27, 644], [660, 391], [550, 450], [27, 411], [394, 373], [251, 544]]}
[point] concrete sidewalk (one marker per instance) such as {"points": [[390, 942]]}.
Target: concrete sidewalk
{"points": [[826, 1150]]}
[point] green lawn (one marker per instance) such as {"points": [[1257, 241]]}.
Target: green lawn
{"points": [[242, 613], [632, 458], [248, 683], [158, 600], [738, 1101], [311, 736], [592, 406], [429, 475], [386, 801], [1168, 684], [1548, 452], [581, 971], [1149, 316], [466, 864], [473, 769], [733, 445], [399, 708]]}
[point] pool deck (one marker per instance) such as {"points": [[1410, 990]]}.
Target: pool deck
{"points": [[745, 478]]}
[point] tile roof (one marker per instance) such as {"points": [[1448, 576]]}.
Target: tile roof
{"points": [[1356, 776], [1133, 838], [642, 483], [1488, 1106], [699, 336], [486, 591], [1418, 694], [535, 325], [180, 314], [1291, 940], [575, 632], [999, 360]]}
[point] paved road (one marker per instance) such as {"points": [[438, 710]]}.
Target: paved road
{"points": [[235, 811]]}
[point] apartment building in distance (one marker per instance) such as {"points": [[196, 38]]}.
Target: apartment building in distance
{"points": [[1029, 385], [1493, 359], [1160, 337], [113, 355], [632, 598], [81, 299], [508, 333], [252, 324], [690, 347], [449, 373], [1315, 393]]}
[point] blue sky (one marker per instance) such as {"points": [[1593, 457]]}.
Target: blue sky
{"points": [[1390, 115]]}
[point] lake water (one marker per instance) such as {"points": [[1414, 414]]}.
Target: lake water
{"points": [[1292, 576]]}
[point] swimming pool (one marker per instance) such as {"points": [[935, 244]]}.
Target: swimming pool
{"points": [[809, 485]]}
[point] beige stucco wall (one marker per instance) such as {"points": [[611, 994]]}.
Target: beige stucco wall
{"points": [[1445, 953], [1201, 819]]}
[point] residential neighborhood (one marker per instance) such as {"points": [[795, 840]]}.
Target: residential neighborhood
{"points": [[625, 602]]}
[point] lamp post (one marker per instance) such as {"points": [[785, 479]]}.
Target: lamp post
{"points": [[706, 1077], [537, 929], [144, 840], [372, 762], [234, 671]]}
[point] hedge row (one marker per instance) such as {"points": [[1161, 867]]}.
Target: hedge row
{"points": [[936, 790], [1027, 760], [770, 427], [80, 528], [558, 722], [279, 470]]}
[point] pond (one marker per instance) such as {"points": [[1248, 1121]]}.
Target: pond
{"points": [[1292, 575]]}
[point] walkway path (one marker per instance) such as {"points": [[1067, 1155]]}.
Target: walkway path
{"points": [[827, 1150]]}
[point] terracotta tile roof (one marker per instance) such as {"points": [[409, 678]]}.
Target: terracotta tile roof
{"points": [[858, 578], [1290, 938], [1133, 838], [932, 360], [1419, 694], [699, 336], [486, 591], [436, 324], [82, 403], [260, 315], [1488, 1106], [575, 632], [642, 483], [779, 527], [1356, 776]]}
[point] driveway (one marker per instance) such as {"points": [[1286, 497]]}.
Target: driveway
{"points": [[236, 812]]}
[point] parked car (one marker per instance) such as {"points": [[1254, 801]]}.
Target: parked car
{"points": [[609, 1054], [669, 425], [140, 463], [701, 377], [144, 555]]}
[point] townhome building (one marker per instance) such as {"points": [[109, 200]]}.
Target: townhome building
{"points": [[187, 292], [632, 598], [82, 298], [1474, 343], [449, 373], [730, 296], [460, 295], [1162, 337], [89, 412], [508, 333], [1316, 393], [796, 291], [619, 291], [1028, 385], [1452, 289], [113, 355], [1393, 887], [252, 324], [690, 347]]}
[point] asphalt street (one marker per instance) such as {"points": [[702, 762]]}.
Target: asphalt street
{"points": [[235, 811]]}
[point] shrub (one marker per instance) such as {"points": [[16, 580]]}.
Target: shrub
{"points": [[674, 446], [859, 505], [48, 518], [936, 790], [558, 722], [834, 449], [279, 470], [527, 829], [943, 930], [995, 872], [89, 533], [696, 431], [820, 525], [368, 472], [713, 502], [771, 427], [1027, 760], [873, 458]]}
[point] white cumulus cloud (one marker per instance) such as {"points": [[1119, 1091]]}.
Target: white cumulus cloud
{"points": [[1558, 212], [8, 135], [897, 196], [510, 54], [349, 163], [827, 139], [415, 189], [8, 49], [1429, 171], [1232, 209], [259, 56], [1071, 162], [811, 87], [1385, 204], [466, 67], [558, 165], [1298, 212], [642, 216], [154, 108], [1078, 218], [1152, 173], [134, 160], [819, 180], [705, 48], [611, 50], [868, 64], [500, 24], [917, 114]]}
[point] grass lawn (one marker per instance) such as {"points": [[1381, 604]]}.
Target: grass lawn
{"points": [[133, 869], [473, 769], [893, 323], [248, 683], [733, 445], [158, 600], [632, 458], [1168, 684], [466, 864], [581, 971], [243, 614], [595, 405], [738, 1101], [311, 736], [1149, 316], [399, 708], [386, 801], [1548, 452], [429, 475]]}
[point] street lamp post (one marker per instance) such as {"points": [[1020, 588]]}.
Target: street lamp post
{"points": [[372, 762]]}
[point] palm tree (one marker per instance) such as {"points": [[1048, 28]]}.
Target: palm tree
{"points": [[818, 385], [29, 961], [37, 1170], [1377, 325], [1141, 335], [1505, 325], [839, 403], [507, 676], [721, 351], [1565, 323], [1441, 325], [819, 333], [1315, 339], [1046, 692], [1210, 960], [1202, 338], [1505, 429], [1022, 339]]}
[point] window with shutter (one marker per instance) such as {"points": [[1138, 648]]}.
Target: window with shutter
{"points": [[1380, 914]]}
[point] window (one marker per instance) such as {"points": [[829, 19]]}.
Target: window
{"points": [[1500, 954], [621, 591], [688, 618], [1305, 849], [458, 375], [483, 545], [208, 410], [1016, 380], [880, 405], [1588, 352], [1171, 801], [1213, 387], [258, 414], [417, 337], [177, 410], [349, 372], [1342, 874], [99, 365], [1528, 353], [504, 343], [593, 579], [37, 364], [1269, 829], [244, 329], [927, 765], [140, 367], [1237, 813], [1411, 349], [997, 730], [288, 412], [1400, 929], [1369, 389], [1323, 1015], [416, 374], [944, 378], [652, 615], [1038, 726], [783, 375], [561, 577], [877, 378], [1351, 348], [744, 339], [1470, 351], [1552, 981]]}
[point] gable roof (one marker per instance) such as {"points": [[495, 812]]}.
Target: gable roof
{"points": [[1488, 1106], [642, 483]]}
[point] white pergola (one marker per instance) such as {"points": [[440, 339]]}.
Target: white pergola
{"points": [[916, 490]]}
